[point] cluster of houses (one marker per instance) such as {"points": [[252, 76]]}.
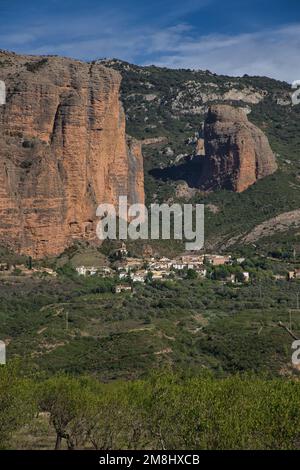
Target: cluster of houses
{"points": [[131, 270], [92, 270], [138, 270]]}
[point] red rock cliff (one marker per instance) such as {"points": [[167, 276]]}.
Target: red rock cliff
{"points": [[63, 151], [237, 153]]}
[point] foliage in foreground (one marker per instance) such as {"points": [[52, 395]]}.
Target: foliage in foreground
{"points": [[165, 411], [17, 404]]}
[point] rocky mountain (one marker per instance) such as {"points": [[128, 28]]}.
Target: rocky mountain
{"points": [[63, 151], [64, 148], [237, 153], [166, 109]]}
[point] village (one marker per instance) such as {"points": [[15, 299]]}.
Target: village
{"points": [[128, 271]]}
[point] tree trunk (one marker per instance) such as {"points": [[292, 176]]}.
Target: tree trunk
{"points": [[71, 445], [58, 442]]}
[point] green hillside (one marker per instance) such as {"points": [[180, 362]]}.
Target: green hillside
{"points": [[79, 325]]}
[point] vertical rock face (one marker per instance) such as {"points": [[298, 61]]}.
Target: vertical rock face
{"points": [[136, 192], [237, 153], [63, 151]]}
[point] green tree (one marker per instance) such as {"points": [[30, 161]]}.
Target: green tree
{"points": [[17, 404], [191, 274], [117, 418], [67, 400]]}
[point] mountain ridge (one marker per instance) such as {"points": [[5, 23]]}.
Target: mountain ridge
{"points": [[168, 162], [165, 110]]}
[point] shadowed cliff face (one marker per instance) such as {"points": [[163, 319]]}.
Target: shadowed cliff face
{"points": [[63, 151], [237, 153]]}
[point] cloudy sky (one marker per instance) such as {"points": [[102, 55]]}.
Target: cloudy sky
{"points": [[233, 37]]}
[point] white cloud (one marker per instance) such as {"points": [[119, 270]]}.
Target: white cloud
{"points": [[273, 53]]}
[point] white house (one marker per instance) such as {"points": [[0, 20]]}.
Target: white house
{"points": [[123, 288], [138, 278], [179, 266], [84, 270], [123, 275]]}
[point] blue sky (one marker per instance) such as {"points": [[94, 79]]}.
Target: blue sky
{"points": [[258, 37]]}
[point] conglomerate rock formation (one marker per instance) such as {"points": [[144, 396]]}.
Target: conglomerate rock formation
{"points": [[63, 151], [237, 153]]}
